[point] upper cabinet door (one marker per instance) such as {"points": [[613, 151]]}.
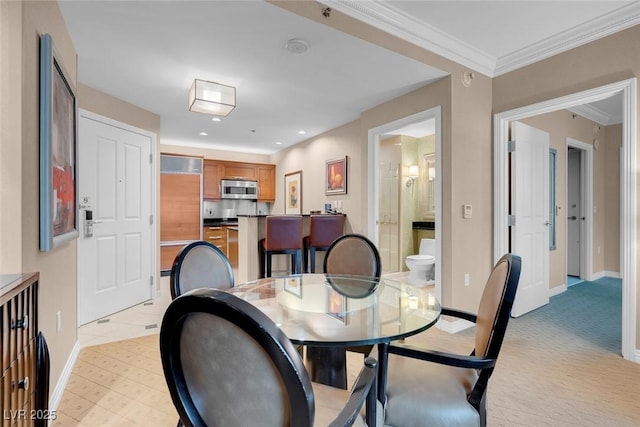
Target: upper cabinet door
{"points": [[266, 182], [213, 172], [239, 170]]}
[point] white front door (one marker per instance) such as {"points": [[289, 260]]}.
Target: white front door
{"points": [[115, 258], [530, 205]]}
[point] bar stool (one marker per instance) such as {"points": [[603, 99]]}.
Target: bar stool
{"points": [[283, 235], [323, 230]]}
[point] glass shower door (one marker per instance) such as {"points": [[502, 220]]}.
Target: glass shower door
{"points": [[388, 214]]}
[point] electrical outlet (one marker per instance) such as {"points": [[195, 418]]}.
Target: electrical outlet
{"points": [[58, 321], [467, 279]]}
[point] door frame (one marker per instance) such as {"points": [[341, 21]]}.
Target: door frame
{"points": [[628, 206], [155, 292], [586, 206], [373, 176]]}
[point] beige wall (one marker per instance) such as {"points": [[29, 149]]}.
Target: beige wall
{"points": [[562, 125], [58, 286], [611, 169], [608, 60], [10, 137], [214, 154]]}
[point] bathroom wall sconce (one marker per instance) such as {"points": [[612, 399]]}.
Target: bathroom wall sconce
{"points": [[432, 174], [414, 172]]}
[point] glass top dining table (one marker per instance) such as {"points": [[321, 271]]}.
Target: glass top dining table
{"points": [[327, 314], [325, 310]]}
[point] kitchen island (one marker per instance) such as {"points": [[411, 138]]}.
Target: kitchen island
{"points": [[251, 229]]}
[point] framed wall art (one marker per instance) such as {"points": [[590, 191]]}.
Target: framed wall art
{"points": [[58, 135], [336, 176], [293, 193]]}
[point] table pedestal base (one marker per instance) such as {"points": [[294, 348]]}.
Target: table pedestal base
{"points": [[327, 365]]}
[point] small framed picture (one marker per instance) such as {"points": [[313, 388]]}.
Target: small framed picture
{"points": [[336, 176], [293, 193]]}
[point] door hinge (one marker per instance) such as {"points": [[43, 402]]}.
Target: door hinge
{"points": [[150, 158], [511, 146], [511, 220], [150, 219], [150, 280]]}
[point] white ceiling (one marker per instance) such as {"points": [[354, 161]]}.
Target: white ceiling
{"points": [[148, 53]]}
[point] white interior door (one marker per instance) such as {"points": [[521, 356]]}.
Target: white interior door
{"points": [[574, 212], [530, 205], [114, 261]]}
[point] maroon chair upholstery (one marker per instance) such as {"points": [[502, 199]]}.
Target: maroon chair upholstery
{"points": [[323, 230], [283, 235]]}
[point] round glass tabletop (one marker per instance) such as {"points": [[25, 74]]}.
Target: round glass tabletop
{"points": [[319, 309]]}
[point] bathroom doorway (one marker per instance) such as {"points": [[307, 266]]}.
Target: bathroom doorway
{"points": [[404, 198]]}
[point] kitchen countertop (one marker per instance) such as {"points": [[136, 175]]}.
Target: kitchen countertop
{"points": [[220, 221]]}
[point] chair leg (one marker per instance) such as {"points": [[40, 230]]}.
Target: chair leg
{"points": [[268, 260], [312, 260], [305, 259], [299, 263]]}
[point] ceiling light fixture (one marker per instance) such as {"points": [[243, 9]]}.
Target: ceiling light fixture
{"points": [[203, 134], [278, 143], [211, 98], [216, 119], [301, 132]]}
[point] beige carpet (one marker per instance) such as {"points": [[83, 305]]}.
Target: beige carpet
{"points": [[560, 366]]}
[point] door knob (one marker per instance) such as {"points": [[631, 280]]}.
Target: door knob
{"points": [[573, 218]]}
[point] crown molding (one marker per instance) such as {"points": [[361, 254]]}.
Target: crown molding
{"points": [[380, 14], [588, 111], [594, 29]]}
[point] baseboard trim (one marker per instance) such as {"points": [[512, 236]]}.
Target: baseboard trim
{"points": [[455, 326], [56, 397], [557, 290], [606, 273], [637, 356]]}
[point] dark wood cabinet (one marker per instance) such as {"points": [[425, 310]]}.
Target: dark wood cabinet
{"points": [[19, 326]]}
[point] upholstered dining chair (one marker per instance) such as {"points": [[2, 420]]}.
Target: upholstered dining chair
{"points": [[227, 364], [451, 390], [200, 265], [283, 235], [353, 254]]}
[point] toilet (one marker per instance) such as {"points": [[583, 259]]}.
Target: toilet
{"points": [[422, 266]]}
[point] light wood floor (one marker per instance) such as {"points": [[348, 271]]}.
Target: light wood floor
{"points": [[560, 366]]}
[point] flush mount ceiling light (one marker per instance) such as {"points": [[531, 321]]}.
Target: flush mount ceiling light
{"points": [[211, 98]]}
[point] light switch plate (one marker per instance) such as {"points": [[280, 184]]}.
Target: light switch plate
{"points": [[467, 211]]}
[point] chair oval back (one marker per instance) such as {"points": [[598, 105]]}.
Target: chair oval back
{"points": [[495, 305], [226, 363], [200, 265], [353, 254], [283, 232]]}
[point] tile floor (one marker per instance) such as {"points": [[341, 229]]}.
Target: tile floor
{"points": [[140, 320], [117, 379]]}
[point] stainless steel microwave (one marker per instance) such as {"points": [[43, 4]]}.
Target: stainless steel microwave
{"points": [[238, 189]]}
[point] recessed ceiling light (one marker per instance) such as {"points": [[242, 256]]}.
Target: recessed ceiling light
{"points": [[301, 132], [216, 119], [278, 143], [203, 134]]}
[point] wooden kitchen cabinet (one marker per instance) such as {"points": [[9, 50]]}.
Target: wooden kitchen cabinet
{"points": [[217, 235], [213, 173], [236, 170], [266, 175], [215, 170]]}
